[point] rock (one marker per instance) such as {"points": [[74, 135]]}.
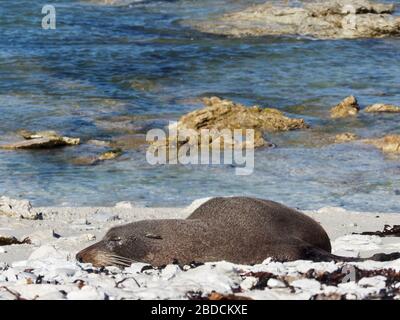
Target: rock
{"points": [[339, 19], [41, 140], [85, 161], [110, 155], [18, 208], [380, 107], [99, 143], [220, 114], [388, 144], [348, 107], [129, 141], [275, 283], [345, 137], [94, 160]]}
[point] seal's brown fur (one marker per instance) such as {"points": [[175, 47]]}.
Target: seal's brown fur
{"points": [[236, 229]]}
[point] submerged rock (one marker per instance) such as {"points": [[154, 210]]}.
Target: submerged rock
{"points": [[388, 144], [93, 160], [345, 137], [129, 141], [348, 107], [110, 155], [380, 107], [41, 140], [18, 208], [320, 19]]}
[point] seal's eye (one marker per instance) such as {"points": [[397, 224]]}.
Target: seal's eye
{"points": [[115, 238]]}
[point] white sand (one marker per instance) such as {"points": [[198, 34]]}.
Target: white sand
{"points": [[53, 257]]}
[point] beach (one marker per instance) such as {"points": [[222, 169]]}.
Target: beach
{"points": [[64, 231]]}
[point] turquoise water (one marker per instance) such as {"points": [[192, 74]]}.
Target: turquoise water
{"points": [[140, 63]]}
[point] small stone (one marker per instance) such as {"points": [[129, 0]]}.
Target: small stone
{"points": [[275, 283], [248, 283]]}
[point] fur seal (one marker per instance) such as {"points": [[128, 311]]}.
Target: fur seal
{"points": [[237, 229]]}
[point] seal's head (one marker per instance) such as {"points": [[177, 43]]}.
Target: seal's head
{"points": [[105, 252]]}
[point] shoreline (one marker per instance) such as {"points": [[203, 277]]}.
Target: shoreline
{"points": [[65, 230], [77, 227]]}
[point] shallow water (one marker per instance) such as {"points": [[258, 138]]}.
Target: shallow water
{"points": [[139, 62]]}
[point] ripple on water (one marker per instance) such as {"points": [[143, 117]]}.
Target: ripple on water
{"points": [[138, 62]]}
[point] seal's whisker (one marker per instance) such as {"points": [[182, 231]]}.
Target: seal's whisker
{"points": [[119, 260], [120, 263], [122, 258], [118, 256]]}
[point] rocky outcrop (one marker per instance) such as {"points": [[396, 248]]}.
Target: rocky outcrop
{"points": [[18, 208], [345, 137], [220, 114], [388, 144], [320, 19], [347, 108], [41, 140], [380, 107]]}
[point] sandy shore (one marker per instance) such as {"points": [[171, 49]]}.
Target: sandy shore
{"points": [[64, 231]]}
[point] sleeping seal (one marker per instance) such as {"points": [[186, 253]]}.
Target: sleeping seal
{"points": [[237, 229]]}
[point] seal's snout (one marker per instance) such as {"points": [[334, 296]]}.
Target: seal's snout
{"points": [[91, 255], [98, 256]]}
